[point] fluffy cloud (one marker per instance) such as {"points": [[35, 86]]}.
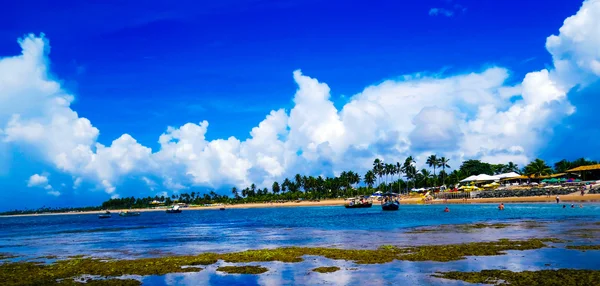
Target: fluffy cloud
{"points": [[38, 181], [41, 181], [472, 115]]}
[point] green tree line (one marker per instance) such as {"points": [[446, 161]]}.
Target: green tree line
{"points": [[397, 177]]}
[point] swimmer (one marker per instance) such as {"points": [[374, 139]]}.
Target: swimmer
{"points": [[446, 210], [580, 205], [501, 206], [564, 206], [572, 205]]}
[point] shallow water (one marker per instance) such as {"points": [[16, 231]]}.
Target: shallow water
{"points": [[158, 233]]}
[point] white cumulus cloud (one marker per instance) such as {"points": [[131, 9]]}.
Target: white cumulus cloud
{"points": [[41, 181], [460, 116]]}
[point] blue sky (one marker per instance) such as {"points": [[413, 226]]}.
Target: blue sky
{"points": [[137, 68]]}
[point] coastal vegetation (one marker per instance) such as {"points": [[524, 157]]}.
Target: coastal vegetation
{"points": [[584, 247], [324, 269], [247, 269], [32, 273], [526, 278], [399, 177]]}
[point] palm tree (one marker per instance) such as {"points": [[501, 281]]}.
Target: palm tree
{"points": [[399, 172], [444, 164], [369, 178], [512, 167], [286, 185], [432, 161], [298, 181], [537, 168], [409, 170], [234, 191], [562, 166], [425, 175], [378, 168], [275, 187], [390, 169]]}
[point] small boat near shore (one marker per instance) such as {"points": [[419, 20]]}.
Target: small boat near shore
{"points": [[390, 206], [390, 202], [360, 202], [174, 210], [107, 214], [129, 213]]}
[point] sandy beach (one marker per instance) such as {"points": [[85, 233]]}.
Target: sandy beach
{"points": [[340, 202]]}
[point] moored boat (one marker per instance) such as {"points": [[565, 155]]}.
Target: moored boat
{"points": [[390, 202], [360, 202], [174, 210], [128, 213], [107, 214], [390, 206]]}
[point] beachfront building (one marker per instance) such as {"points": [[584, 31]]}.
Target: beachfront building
{"points": [[587, 173]]}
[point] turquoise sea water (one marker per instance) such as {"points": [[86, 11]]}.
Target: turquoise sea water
{"points": [[158, 233]]}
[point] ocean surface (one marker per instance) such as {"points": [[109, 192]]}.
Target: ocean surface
{"points": [[193, 231]]}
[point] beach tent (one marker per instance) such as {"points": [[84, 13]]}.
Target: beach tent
{"points": [[484, 177], [545, 180], [469, 179], [553, 180], [508, 175]]}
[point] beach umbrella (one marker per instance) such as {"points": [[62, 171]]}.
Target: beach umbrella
{"points": [[577, 180], [553, 180], [545, 180]]}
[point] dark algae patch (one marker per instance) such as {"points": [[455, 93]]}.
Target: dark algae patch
{"points": [[104, 282], [584, 247], [485, 225], [249, 269], [329, 269], [6, 256], [460, 227], [563, 277], [31, 273]]}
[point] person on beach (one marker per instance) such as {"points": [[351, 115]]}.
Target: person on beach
{"points": [[446, 210], [557, 199]]}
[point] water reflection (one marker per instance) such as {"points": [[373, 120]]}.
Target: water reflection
{"points": [[158, 234]]}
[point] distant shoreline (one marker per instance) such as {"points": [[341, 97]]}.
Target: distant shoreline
{"points": [[339, 202]]}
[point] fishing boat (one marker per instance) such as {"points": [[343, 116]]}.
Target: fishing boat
{"points": [[391, 202], [105, 215], [174, 210], [128, 213], [360, 202]]}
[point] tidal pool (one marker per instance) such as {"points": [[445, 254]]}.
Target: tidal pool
{"points": [[157, 234]]}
